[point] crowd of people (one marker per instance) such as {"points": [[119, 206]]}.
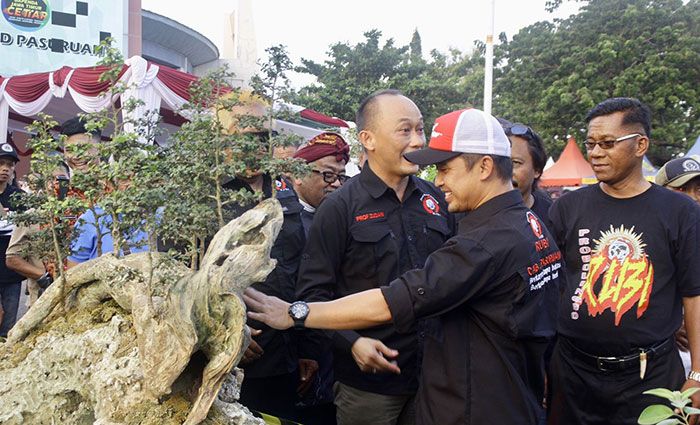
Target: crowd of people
{"points": [[473, 299]]}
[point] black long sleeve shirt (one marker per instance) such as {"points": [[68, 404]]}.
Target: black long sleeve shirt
{"points": [[494, 289], [363, 237], [280, 355]]}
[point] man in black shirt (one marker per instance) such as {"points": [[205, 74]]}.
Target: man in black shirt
{"points": [[529, 159], [631, 251], [377, 226], [326, 154], [492, 289], [10, 281], [270, 363]]}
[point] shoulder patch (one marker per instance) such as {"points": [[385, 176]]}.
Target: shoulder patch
{"points": [[281, 185], [535, 224], [430, 204]]}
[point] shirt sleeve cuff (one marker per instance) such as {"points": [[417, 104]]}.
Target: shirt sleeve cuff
{"points": [[345, 339], [398, 298], [76, 259]]}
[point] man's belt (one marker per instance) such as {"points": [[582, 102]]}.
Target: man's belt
{"points": [[617, 363]]}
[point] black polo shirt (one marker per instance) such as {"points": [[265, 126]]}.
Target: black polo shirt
{"points": [[363, 237], [494, 291], [280, 350]]}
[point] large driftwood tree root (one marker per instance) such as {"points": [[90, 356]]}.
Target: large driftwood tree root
{"points": [[141, 339]]}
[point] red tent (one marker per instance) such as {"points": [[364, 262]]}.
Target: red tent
{"points": [[570, 168]]}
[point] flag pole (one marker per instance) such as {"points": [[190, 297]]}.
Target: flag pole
{"points": [[488, 66]]}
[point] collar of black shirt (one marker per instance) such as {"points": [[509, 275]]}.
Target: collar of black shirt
{"points": [[376, 187], [490, 208]]}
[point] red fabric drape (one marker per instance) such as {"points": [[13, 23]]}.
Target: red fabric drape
{"points": [[324, 119], [59, 76], [86, 81], [177, 81], [28, 88]]}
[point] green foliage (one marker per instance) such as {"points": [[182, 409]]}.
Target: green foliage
{"points": [[121, 176], [437, 85], [555, 72], [206, 153], [177, 191], [43, 208], [548, 75], [659, 414]]}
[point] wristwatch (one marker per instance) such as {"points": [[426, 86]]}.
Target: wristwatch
{"points": [[45, 280], [695, 376], [298, 312]]}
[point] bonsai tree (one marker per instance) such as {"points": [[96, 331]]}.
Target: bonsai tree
{"points": [[661, 414]]}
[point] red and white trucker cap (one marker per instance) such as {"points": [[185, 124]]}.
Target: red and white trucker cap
{"points": [[463, 131]]}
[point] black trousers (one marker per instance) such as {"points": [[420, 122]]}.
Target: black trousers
{"points": [[274, 395], [580, 394], [9, 296]]}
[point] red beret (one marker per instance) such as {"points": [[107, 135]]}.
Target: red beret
{"points": [[325, 144]]}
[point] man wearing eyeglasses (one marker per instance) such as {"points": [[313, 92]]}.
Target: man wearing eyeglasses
{"points": [[327, 155], [631, 250], [378, 225]]}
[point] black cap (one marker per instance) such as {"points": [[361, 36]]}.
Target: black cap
{"points": [[76, 126], [679, 171], [6, 149], [428, 156]]}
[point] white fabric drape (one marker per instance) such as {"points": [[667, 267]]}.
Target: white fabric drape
{"points": [[138, 79], [4, 113], [142, 83]]}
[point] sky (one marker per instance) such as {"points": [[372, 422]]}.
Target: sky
{"points": [[309, 27]]}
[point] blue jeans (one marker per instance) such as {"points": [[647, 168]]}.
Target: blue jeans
{"points": [[9, 294]]}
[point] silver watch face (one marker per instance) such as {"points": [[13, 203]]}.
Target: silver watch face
{"points": [[299, 310]]}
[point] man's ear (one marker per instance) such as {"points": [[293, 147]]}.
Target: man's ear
{"points": [[367, 139], [486, 167], [642, 146]]}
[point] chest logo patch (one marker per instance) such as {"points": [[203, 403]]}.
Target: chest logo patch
{"points": [[281, 185], [535, 224], [430, 205], [620, 275], [369, 216], [6, 147]]}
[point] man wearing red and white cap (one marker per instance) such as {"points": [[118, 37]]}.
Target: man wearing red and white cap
{"points": [[493, 289]]}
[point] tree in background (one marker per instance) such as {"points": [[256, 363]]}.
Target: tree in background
{"points": [[548, 75], [437, 85], [555, 72]]}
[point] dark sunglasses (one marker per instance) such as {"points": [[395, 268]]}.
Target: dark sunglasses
{"points": [[330, 177], [520, 130]]}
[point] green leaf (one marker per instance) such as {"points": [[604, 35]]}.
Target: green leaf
{"points": [[654, 414], [672, 421], [661, 392], [691, 410], [689, 392], [680, 404]]}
